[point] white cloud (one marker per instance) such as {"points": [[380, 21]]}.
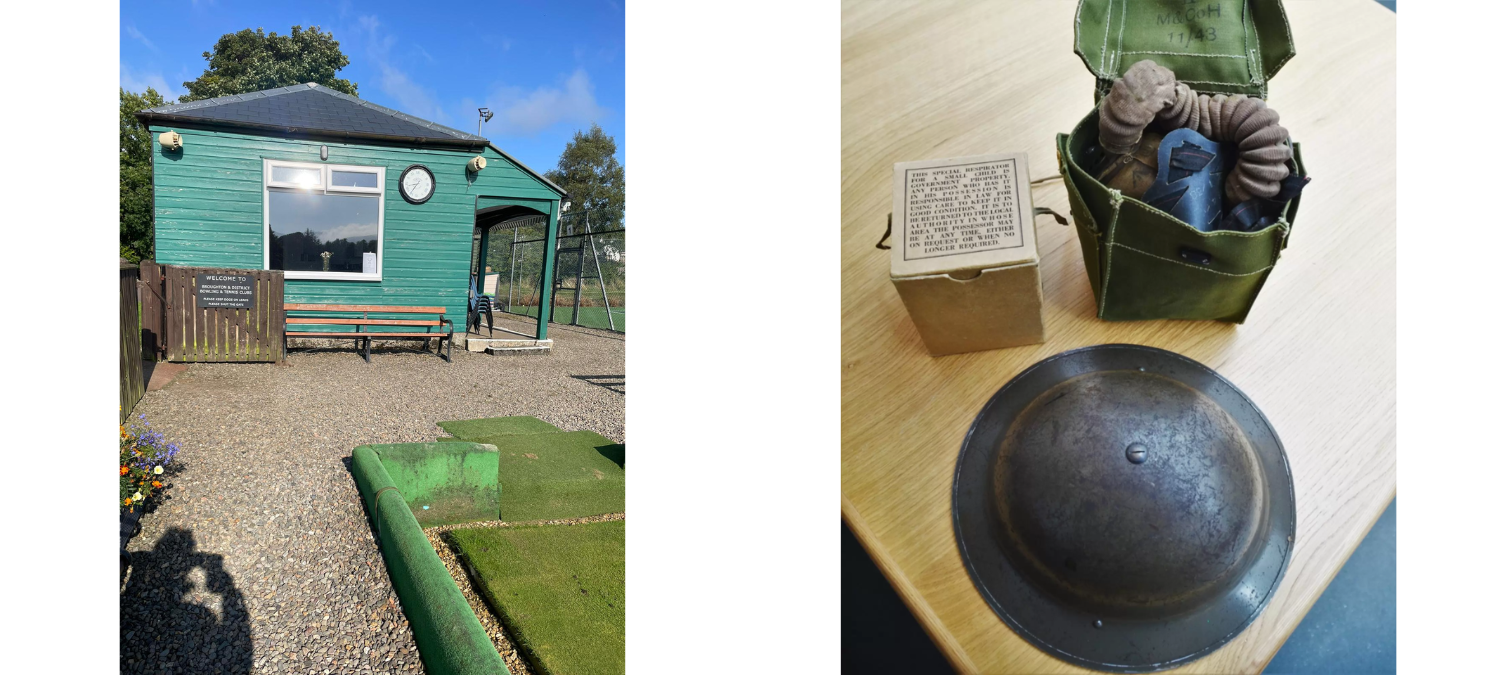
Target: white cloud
{"points": [[137, 82], [351, 231], [132, 32], [411, 98], [380, 43], [503, 42], [520, 112]]}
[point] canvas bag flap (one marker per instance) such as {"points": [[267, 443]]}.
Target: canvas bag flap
{"points": [[1215, 46]]}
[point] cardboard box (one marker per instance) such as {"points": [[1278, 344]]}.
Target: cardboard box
{"points": [[963, 253]]}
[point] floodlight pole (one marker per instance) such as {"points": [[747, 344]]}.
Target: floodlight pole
{"points": [[484, 116]]}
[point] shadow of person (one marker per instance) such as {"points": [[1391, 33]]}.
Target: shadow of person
{"points": [[181, 612]]}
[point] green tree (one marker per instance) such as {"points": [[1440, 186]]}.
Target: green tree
{"points": [[136, 204], [594, 179], [239, 63], [254, 60]]}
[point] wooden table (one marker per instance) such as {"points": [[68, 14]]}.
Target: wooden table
{"points": [[1318, 354]]}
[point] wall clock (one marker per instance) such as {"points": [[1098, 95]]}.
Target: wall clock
{"points": [[417, 184]]}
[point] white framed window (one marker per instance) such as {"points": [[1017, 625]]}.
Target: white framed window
{"points": [[324, 221]]}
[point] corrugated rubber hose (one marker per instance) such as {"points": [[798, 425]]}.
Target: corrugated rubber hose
{"points": [[1149, 92]]}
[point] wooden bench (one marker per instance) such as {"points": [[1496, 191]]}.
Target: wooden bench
{"points": [[362, 323]]}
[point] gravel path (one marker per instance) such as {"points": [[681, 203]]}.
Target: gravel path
{"points": [[262, 559]]}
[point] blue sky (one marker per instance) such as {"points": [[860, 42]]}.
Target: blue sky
{"points": [[545, 69]]}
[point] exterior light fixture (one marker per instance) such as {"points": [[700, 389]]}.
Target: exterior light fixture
{"points": [[484, 116], [323, 153], [476, 164], [170, 140]]}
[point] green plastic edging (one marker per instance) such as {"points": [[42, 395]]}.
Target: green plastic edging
{"points": [[449, 638]]}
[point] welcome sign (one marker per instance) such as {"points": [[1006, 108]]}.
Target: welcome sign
{"points": [[228, 291]]}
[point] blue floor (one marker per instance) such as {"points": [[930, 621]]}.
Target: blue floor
{"points": [[1350, 630]]}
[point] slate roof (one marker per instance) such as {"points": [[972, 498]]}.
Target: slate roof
{"points": [[313, 109]]}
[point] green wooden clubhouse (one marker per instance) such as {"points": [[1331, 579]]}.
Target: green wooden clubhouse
{"points": [[357, 203]]}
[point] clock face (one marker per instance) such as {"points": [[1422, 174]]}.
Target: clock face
{"points": [[416, 184]]}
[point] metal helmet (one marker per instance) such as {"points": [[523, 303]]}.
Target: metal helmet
{"points": [[1124, 508]]}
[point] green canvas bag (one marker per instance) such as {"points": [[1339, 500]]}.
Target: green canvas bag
{"points": [[1143, 263]]}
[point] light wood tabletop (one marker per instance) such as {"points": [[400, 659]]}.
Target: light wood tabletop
{"points": [[925, 80]]}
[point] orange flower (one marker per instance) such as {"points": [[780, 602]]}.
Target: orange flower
{"points": [[156, 483], [124, 471], [127, 501]]}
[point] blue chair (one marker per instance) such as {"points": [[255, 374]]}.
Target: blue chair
{"points": [[480, 305]]}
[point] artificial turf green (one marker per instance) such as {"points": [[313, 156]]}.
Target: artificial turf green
{"points": [[590, 317], [496, 426], [569, 474], [560, 589]]}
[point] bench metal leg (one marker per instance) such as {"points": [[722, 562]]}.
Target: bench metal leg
{"points": [[367, 350]]}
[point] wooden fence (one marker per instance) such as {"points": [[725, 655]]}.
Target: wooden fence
{"points": [[132, 375], [183, 331]]}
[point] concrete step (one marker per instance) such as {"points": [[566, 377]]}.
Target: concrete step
{"points": [[508, 345]]}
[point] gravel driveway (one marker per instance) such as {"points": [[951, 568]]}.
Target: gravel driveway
{"points": [[262, 560]]}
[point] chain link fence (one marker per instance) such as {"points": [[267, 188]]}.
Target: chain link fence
{"points": [[588, 280]]}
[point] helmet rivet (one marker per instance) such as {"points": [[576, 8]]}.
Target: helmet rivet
{"points": [[1098, 623], [1136, 453]]}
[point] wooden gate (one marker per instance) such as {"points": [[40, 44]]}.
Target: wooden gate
{"points": [[132, 375], [215, 334]]}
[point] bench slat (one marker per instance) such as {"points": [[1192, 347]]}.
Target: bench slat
{"points": [[361, 335], [388, 309], [362, 322]]}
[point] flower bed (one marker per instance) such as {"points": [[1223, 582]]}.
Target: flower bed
{"points": [[145, 464]]}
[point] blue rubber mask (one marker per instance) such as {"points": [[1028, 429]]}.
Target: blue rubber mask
{"points": [[1190, 173]]}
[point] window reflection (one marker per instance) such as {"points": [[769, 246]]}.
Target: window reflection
{"points": [[324, 232]]}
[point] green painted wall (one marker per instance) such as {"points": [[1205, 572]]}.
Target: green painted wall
{"points": [[209, 213]]}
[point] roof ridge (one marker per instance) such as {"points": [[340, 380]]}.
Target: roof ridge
{"points": [[314, 86], [428, 124], [230, 98]]}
